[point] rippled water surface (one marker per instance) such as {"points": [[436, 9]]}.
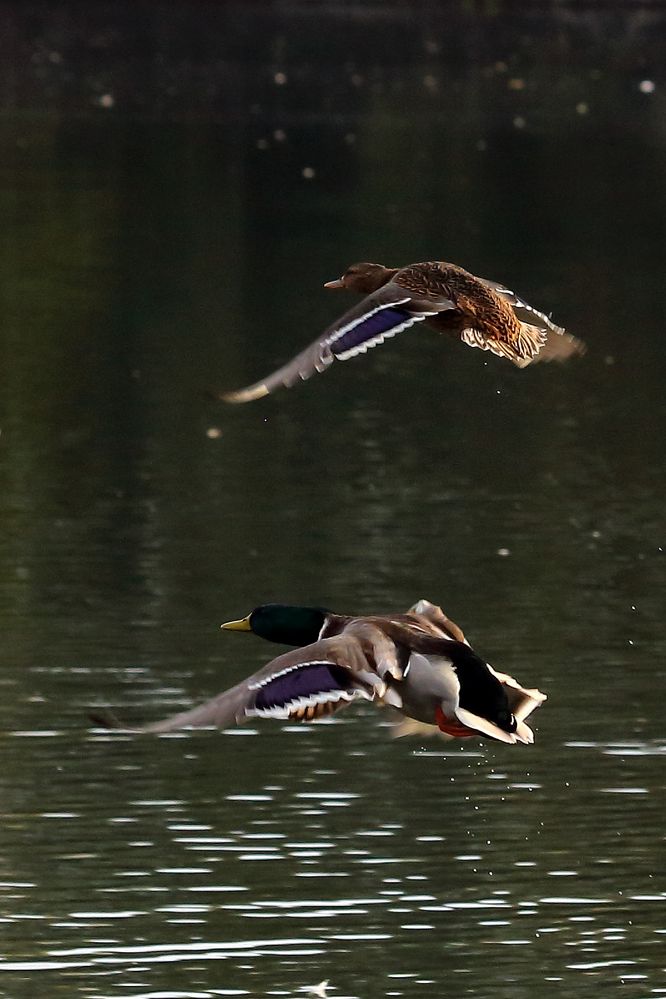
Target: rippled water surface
{"points": [[176, 184]]}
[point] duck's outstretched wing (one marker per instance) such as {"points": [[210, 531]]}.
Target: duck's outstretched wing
{"points": [[556, 345], [301, 685], [381, 315]]}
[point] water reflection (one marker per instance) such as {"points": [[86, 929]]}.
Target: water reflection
{"points": [[187, 864]]}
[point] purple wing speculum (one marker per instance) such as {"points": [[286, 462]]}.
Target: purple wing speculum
{"points": [[302, 686], [371, 329]]}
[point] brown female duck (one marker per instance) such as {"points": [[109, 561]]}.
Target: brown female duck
{"points": [[445, 297]]}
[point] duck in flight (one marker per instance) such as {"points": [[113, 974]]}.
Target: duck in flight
{"points": [[441, 295], [418, 663]]}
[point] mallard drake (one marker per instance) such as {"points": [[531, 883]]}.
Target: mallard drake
{"points": [[418, 663], [445, 297]]}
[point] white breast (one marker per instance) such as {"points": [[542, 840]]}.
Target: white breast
{"points": [[430, 682]]}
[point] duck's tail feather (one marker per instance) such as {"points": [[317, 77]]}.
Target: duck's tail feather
{"points": [[556, 345], [536, 345], [530, 340]]}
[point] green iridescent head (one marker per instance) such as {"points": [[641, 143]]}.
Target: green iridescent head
{"points": [[282, 623]]}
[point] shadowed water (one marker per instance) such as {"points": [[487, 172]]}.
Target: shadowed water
{"points": [[176, 185]]}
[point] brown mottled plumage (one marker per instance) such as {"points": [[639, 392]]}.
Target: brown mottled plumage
{"points": [[445, 297]]}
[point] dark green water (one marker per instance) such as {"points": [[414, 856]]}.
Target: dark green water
{"points": [[170, 243]]}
